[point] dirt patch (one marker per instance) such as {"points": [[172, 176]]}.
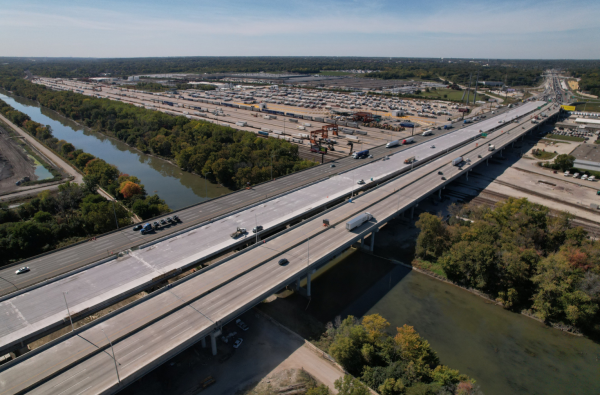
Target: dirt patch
{"points": [[14, 163], [288, 381]]}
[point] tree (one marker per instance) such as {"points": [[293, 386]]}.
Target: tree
{"points": [[564, 161], [82, 159], [415, 349], [375, 326], [320, 390], [433, 239], [349, 385], [129, 189], [42, 217]]}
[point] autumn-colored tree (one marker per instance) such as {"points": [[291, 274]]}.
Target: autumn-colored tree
{"points": [[375, 326], [129, 189]]}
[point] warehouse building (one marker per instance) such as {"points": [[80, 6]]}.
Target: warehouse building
{"points": [[587, 157]]}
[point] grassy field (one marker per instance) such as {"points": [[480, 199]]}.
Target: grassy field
{"points": [[544, 155], [566, 138], [432, 267], [591, 107]]}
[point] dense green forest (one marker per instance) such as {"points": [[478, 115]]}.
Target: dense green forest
{"points": [[520, 254], [227, 156], [127, 189], [590, 80], [399, 364], [515, 72]]}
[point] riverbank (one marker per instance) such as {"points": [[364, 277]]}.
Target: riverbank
{"points": [[179, 189]]}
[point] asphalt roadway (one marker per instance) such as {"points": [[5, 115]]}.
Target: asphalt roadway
{"points": [[71, 258], [149, 333]]}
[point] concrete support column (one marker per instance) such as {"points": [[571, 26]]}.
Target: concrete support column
{"points": [[362, 242], [402, 214], [501, 153], [372, 241], [467, 174], [17, 353], [213, 341], [412, 212], [203, 341], [487, 162], [513, 144], [297, 284], [308, 283], [440, 193]]}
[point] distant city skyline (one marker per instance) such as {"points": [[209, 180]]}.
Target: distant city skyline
{"points": [[457, 29]]}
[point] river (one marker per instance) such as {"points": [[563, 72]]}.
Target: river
{"points": [[178, 188]]}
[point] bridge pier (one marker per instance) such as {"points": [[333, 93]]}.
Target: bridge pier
{"points": [[308, 282], [373, 240], [203, 341], [440, 193], [412, 212], [467, 174], [213, 341], [501, 153], [487, 162]]}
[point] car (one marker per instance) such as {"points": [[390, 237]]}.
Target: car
{"points": [[21, 270], [238, 343], [156, 225], [370, 156], [163, 222], [433, 146], [440, 172], [137, 227], [283, 262], [332, 165], [257, 229], [242, 325], [360, 182], [175, 218], [169, 220]]}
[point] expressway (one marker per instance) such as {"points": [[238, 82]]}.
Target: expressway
{"points": [[169, 320], [42, 309]]}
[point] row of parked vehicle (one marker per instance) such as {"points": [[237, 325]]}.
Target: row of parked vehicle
{"points": [[146, 228], [583, 176]]}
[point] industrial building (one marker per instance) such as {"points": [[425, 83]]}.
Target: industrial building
{"points": [[587, 157]]}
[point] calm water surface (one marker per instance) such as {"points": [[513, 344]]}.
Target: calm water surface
{"points": [[178, 188]]}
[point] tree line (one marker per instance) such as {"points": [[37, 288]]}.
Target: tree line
{"points": [[401, 363], [225, 155], [521, 254], [125, 188]]}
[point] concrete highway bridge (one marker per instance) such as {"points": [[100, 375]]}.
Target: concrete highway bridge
{"points": [[153, 329]]}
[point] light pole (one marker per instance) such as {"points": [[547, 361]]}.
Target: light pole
{"points": [[115, 213], [69, 312], [206, 184], [113, 353]]}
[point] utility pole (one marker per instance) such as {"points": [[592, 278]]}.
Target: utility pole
{"points": [[476, 82], [113, 353], [68, 312]]}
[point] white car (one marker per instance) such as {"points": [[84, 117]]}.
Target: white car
{"points": [[238, 343], [567, 173], [360, 182], [576, 175], [23, 269], [584, 177]]}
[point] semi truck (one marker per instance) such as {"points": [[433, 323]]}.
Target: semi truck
{"points": [[449, 126], [360, 154], [457, 161], [408, 141], [428, 133], [358, 221], [491, 147], [392, 144], [146, 229]]}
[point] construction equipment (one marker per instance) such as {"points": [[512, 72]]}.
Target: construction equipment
{"points": [[410, 160], [365, 117], [323, 133], [238, 233]]}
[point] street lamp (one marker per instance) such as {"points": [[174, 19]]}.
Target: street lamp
{"points": [[69, 312], [113, 353]]}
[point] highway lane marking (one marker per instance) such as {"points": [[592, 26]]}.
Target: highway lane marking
{"points": [[183, 331], [84, 390], [69, 378], [74, 385], [184, 322], [123, 356], [127, 364]]}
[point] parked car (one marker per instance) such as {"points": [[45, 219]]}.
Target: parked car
{"points": [[242, 325], [21, 270], [238, 343], [137, 227]]}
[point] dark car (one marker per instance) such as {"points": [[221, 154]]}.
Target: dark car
{"points": [[137, 227], [169, 220], [156, 225], [163, 222], [175, 218], [257, 229], [283, 262]]}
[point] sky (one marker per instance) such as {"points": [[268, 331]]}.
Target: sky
{"points": [[523, 29]]}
